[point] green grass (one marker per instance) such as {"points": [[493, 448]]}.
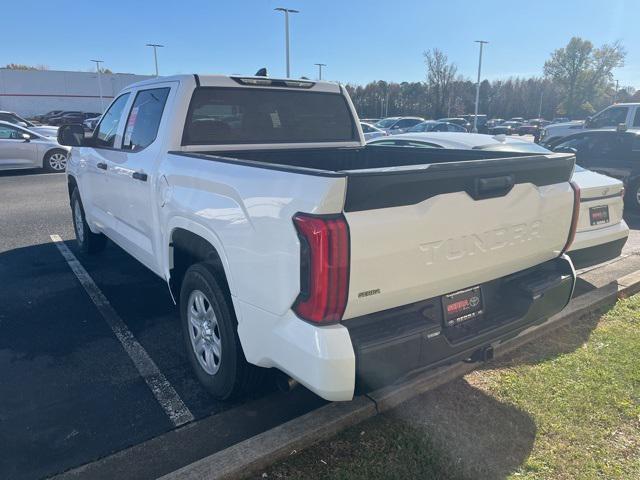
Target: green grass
{"points": [[565, 407]]}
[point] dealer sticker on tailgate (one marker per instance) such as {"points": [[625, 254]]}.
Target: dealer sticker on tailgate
{"points": [[462, 306], [599, 215]]}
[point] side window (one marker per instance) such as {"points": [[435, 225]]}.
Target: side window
{"points": [[610, 117], [636, 118], [574, 142], [9, 133], [144, 118], [105, 134], [366, 128], [407, 122], [604, 146]]}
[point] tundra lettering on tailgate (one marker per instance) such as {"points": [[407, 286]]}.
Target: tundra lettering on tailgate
{"points": [[477, 244]]}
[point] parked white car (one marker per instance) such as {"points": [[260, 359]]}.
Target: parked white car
{"points": [[290, 244], [22, 148], [627, 114], [601, 231], [370, 132]]}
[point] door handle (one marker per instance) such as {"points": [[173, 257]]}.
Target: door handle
{"points": [[102, 166], [139, 176]]}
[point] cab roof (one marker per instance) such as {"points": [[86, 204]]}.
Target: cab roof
{"points": [[243, 81]]}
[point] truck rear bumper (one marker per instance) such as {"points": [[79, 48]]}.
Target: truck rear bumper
{"points": [[390, 344]]}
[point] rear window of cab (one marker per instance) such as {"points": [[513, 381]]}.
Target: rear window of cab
{"points": [[223, 115]]}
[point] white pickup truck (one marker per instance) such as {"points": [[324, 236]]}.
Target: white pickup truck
{"points": [[290, 244], [617, 115]]}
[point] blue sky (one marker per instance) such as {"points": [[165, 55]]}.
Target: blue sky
{"points": [[359, 40]]}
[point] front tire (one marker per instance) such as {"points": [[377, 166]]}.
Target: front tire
{"points": [[55, 161], [89, 243], [210, 332]]}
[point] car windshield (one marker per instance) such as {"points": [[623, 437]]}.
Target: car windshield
{"points": [[386, 122], [524, 147]]}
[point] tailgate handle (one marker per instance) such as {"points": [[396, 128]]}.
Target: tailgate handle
{"points": [[493, 187]]}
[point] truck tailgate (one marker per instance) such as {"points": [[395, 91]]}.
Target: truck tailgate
{"points": [[421, 232]]}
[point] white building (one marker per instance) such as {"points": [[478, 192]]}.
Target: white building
{"points": [[33, 92]]}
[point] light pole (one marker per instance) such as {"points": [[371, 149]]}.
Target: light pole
{"points": [[98, 62], [475, 117], [540, 108], [287, 11], [320, 65], [155, 53]]}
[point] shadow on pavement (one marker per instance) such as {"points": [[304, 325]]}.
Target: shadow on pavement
{"points": [[25, 172], [472, 431]]}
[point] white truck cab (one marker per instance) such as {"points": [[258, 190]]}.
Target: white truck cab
{"points": [[627, 114], [290, 244]]}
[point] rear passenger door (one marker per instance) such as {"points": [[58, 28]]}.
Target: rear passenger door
{"points": [[607, 153], [135, 178]]}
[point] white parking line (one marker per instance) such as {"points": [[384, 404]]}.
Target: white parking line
{"points": [[167, 397]]}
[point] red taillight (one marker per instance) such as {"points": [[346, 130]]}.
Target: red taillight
{"points": [[324, 267], [574, 217]]}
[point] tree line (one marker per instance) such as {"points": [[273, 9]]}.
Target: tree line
{"points": [[577, 80]]}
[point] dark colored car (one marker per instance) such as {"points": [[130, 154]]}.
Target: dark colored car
{"points": [[458, 121], [610, 152], [48, 116], [510, 127], [72, 117], [528, 129], [436, 126]]}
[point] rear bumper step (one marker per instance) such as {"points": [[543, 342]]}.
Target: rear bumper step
{"points": [[391, 344]]}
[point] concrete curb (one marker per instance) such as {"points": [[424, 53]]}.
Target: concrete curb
{"points": [[256, 453]]}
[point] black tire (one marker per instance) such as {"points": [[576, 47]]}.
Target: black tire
{"points": [[234, 376], [632, 194], [88, 242], [52, 161]]}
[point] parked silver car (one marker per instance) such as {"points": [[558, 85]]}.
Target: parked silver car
{"points": [[23, 148]]}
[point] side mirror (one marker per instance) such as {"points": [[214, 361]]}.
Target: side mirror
{"points": [[26, 137], [588, 122], [71, 135]]}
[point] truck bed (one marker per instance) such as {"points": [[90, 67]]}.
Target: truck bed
{"points": [[381, 176], [354, 159]]}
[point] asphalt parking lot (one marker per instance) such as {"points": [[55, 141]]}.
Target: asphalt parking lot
{"points": [[71, 390]]}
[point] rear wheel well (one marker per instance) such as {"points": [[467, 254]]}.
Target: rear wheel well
{"points": [[189, 249]]}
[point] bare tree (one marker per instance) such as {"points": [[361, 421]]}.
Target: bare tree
{"points": [[440, 76]]}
